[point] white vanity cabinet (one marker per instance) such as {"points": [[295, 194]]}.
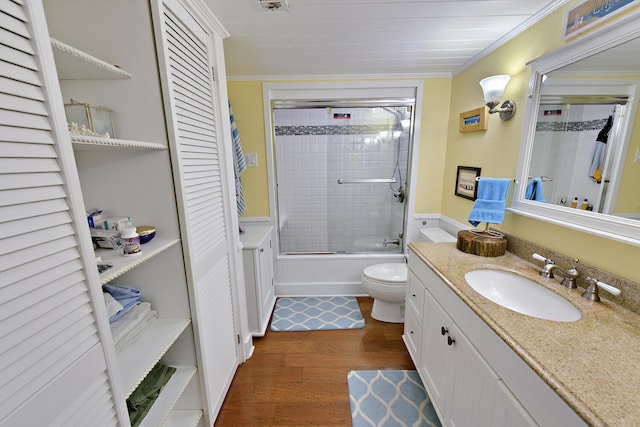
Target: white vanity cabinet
{"points": [[458, 377], [471, 375], [257, 256]]}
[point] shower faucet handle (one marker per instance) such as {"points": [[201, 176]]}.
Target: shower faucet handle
{"points": [[389, 242]]}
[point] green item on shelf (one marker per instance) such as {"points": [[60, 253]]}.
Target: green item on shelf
{"points": [[143, 397]]}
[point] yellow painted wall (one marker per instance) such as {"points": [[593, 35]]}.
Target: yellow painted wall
{"points": [[432, 146], [443, 147], [246, 103], [496, 150]]}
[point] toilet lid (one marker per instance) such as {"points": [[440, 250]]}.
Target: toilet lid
{"points": [[392, 272]]}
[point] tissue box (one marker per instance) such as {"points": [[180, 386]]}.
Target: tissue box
{"points": [[114, 223]]}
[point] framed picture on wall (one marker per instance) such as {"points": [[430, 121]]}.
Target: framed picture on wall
{"points": [[590, 13], [474, 120], [466, 183]]}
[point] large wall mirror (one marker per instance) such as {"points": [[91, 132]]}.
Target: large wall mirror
{"points": [[580, 158]]}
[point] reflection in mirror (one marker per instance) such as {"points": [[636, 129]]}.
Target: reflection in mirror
{"points": [[573, 150], [580, 157]]}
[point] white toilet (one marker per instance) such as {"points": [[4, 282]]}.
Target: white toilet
{"points": [[386, 283]]}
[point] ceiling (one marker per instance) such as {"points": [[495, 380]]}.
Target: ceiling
{"points": [[368, 38]]}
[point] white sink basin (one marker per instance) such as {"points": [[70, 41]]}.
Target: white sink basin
{"points": [[522, 295]]}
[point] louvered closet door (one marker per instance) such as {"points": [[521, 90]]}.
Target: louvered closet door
{"points": [[196, 154], [52, 366]]}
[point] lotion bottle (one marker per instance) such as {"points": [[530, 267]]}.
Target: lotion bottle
{"points": [[574, 203]]}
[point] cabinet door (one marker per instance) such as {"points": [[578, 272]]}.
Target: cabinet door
{"points": [[436, 355], [267, 293], [459, 380], [53, 362], [473, 385], [205, 206]]}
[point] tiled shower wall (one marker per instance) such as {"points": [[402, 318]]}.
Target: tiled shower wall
{"points": [[314, 148], [563, 148]]}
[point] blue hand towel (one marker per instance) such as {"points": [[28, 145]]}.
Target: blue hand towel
{"points": [[127, 297], [491, 201], [534, 190]]}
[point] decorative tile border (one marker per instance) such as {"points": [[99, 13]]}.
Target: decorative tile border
{"points": [[561, 126], [330, 130]]}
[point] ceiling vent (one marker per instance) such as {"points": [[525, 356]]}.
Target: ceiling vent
{"points": [[274, 5]]}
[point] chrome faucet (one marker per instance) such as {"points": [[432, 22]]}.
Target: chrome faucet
{"points": [[388, 242], [569, 276], [591, 293]]}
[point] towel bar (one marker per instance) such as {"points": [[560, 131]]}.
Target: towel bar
{"points": [[367, 181]]}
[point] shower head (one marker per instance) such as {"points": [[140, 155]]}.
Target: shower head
{"points": [[399, 116]]}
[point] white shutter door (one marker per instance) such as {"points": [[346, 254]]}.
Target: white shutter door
{"points": [[197, 158], [52, 367]]}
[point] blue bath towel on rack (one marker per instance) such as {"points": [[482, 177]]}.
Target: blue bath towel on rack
{"points": [[534, 190], [491, 202]]}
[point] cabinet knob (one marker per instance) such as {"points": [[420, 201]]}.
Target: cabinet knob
{"points": [[261, 250], [444, 330], [450, 340], [413, 295]]}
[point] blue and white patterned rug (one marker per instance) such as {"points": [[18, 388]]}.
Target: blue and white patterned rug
{"points": [[316, 313], [390, 399]]}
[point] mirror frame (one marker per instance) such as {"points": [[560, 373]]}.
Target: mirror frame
{"points": [[603, 225]]}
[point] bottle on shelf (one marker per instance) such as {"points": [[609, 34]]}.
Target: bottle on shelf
{"points": [[584, 204], [574, 203]]}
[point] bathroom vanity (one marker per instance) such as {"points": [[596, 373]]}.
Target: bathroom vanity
{"points": [[483, 364]]}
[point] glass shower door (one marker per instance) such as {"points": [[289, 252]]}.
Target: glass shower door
{"points": [[341, 177]]}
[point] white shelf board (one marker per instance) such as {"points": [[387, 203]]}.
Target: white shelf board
{"points": [[86, 142], [122, 264], [137, 360], [74, 64], [162, 407], [183, 418]]}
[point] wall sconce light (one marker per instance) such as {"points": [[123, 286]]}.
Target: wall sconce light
{"points": [[493, 89]]}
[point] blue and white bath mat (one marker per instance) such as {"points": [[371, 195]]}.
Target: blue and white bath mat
{"points": [[316, 313], [390, 399]]}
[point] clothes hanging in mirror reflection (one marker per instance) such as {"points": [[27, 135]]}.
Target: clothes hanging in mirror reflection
{"points": [[599, 152]]}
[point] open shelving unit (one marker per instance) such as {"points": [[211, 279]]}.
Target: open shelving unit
{"points": [[135, 361]]}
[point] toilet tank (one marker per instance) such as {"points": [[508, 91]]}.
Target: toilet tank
{"points": [[434, 234]]}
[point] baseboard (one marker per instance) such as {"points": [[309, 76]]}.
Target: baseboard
{"points": [[314, 290]]}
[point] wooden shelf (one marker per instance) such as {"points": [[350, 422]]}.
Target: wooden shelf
{"points": [[183, 418], [74, 64], [85, 142], [122, 264], [137, 360], [161, 411]]}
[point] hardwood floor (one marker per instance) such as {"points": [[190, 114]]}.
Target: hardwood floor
{"points": [[300, 378]]}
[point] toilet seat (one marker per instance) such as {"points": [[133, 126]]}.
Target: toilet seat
{"points": [[391, 274]]}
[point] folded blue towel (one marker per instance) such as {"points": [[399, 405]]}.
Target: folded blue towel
{"points": [[534, 190], [491, 201], [127, 297]]}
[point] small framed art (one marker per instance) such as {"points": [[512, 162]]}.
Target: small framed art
{"points": [[474, 120], [466, 182], [591, 13]]}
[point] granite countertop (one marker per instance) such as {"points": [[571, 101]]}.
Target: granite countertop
{"points": [[593, 363]]}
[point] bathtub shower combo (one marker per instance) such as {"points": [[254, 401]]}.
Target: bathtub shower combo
{"points": [[341, 175]]}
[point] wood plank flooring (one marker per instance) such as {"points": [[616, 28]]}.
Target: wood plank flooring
{"points": [[300, 378]]}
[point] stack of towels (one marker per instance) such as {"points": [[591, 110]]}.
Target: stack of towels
{"points": [[128, 316]]}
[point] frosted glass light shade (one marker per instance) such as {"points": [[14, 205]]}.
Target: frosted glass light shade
{"points": [[493, 87]]}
